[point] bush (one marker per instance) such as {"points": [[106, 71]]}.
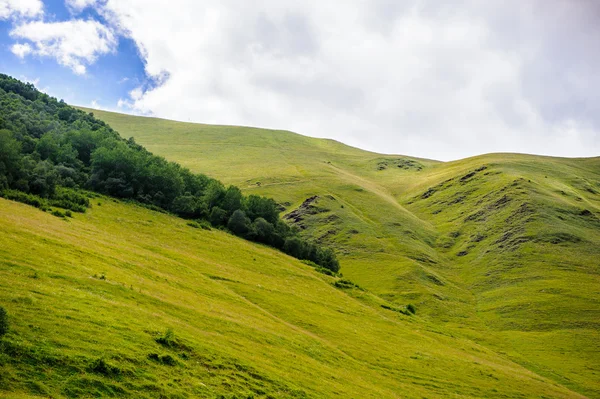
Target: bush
{"points": [[28, 199], [411, 308], [58, 213], [345, 284], [3, 321]]}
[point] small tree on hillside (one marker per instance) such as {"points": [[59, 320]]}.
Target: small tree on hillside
{"points": [[238, 223]]}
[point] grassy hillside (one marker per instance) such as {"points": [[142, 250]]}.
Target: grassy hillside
{"points": [[91, 300], [502, 249]]}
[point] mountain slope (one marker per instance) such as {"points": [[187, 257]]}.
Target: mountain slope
{"points": [[91, 299], [500, 248]]}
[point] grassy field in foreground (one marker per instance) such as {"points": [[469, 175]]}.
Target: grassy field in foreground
{"points": [[91, 300], [502, 249]]}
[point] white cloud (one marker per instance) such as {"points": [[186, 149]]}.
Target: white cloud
{"points": [[21, 50], [136, 94], [79, 5], [420, 78], [20, 8], [74, 43]]}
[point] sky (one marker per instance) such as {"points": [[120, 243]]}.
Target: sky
{"points": [[439, 80]]}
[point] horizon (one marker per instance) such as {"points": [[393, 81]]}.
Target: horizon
{"points": [[337, 141], [434, 81]]}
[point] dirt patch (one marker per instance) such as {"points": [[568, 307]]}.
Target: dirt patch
{"points": [[404, 164], [306, 208]]}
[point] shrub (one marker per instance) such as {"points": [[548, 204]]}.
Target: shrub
{"points": [[25, 198], [3, 321], [328, 272], [345, 284], [58, 213], [411, 308]]}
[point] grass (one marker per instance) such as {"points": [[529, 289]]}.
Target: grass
{"points": [[497, 253], [186, 312]]}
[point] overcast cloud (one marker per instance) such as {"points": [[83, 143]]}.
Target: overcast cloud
{"points": [[410, 77]]}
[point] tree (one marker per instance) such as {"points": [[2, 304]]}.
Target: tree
{"points": [[257, 206], [232, 200], [294, 246], [217, 216], [328, 260], [10, 159], [262, 231], [43, 179], [238, 223], [186, 206]]}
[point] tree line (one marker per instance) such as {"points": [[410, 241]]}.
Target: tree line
{"points": [[51, 150]]}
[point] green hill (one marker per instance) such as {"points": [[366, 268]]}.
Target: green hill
{"points": [[92, 299], [468, 279], [501, 249]]}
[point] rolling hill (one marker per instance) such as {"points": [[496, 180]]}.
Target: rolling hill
{"points": [[499, 249], [467, 279], [125, 302]]}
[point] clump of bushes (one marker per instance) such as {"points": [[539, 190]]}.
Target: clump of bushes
{"points": [[3, 321], [345, 284]]}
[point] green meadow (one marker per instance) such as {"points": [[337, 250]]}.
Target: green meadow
{"points": [[500, 249], [126, 302], [498, 255]]}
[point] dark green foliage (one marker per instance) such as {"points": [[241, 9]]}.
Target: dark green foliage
{"points": [[345, 284], [3, 321], [262, 231], [294, 246], [238, 223], [50, 151], [58, 213], [328, 272], [28, 199], [411, 308], [10, 159]]}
